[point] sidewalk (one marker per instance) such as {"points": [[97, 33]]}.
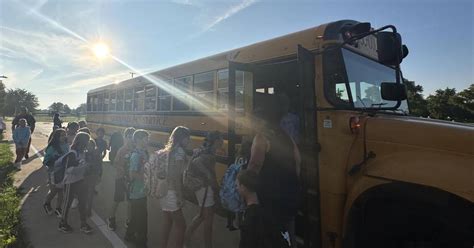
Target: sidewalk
{"points": [[41, 229]]}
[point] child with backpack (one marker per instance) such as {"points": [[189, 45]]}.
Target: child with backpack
{"points": [[92, 174], [203, 166], [169, 166], [229, 195], [56, 148], [138, 226], [121, 163], [21, 137], [75, 165]]}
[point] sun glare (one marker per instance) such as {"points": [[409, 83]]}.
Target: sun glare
{"points": [[101, 50]]}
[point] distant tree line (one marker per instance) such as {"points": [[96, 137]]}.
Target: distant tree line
{"points": [[444, 104], [12, 99]]}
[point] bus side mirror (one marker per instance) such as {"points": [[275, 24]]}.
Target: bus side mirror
{"points": [[390, 49], [393, 91]]}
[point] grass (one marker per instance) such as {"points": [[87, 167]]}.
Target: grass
{"points": [[47, 118], [10, 222], [65, 119]]}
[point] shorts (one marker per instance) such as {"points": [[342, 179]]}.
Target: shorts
{"points": [[170, 202], [121, 190], [209, 201]]}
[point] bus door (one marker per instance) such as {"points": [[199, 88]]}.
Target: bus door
{"points": [[308, 226], [240, 104]]}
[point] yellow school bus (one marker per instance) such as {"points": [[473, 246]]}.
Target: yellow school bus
{"points": [[372, 175]]}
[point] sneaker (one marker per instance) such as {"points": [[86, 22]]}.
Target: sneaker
{"points": [[47, 208], [58, 212], [85, 228], [65, 228], [74, 203], [111, 224]]}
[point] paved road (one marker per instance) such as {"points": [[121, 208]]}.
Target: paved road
{"points": [[42, 229]]}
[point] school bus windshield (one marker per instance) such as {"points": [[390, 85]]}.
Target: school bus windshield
{"points": [[364, 76]]}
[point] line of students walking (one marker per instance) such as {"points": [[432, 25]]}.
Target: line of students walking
{"points": [[268, 186]]}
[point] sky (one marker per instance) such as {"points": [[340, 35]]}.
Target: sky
{"points": [[45, 45]]}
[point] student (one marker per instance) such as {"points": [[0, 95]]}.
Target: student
{"points": [[71, 130], [30, 120], [74, 185], [85, 130], [57, 122], [56, 148], [116, 141], [82, 124], [138, 226], [276, 159], [205, 161], [21, 137], [173, 202], [100, 142], [121, 163], [93, 173]]}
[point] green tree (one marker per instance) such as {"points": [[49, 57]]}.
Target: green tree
{"points": [[2, 96], [16, 98], [465, 100], [56, 107], [447, 105], [81, 109], [416, 103], [67, 110]]}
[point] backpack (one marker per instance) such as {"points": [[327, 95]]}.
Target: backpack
{"points": [[230, 197], [155, 174], [59, 169], [192, 178]]}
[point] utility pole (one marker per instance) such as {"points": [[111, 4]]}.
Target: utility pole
{"points": [[132, 73]]}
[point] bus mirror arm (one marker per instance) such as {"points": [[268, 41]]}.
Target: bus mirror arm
{"points": [[356, 168]]}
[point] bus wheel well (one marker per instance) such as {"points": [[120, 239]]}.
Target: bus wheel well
{"points": [[409, 215]]}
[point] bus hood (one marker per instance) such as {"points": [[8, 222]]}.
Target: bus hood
{"points": [[420, 132]]}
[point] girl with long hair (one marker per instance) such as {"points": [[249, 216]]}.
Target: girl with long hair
{"points": [[173, 202]]}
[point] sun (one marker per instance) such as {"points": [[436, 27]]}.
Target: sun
{"points": [[101, 50]]}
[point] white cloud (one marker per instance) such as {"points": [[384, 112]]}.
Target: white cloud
{"points": [[230, 12]]}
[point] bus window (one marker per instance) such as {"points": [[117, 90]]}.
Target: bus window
{"points": [[128, 99], [181, 95], [150, 98], [105, 107], [139, 99], [89, 103], [223, 89], [113, 101], [100, 101], [164, 100], [95, 103], [120, 100], [203, 91]]}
